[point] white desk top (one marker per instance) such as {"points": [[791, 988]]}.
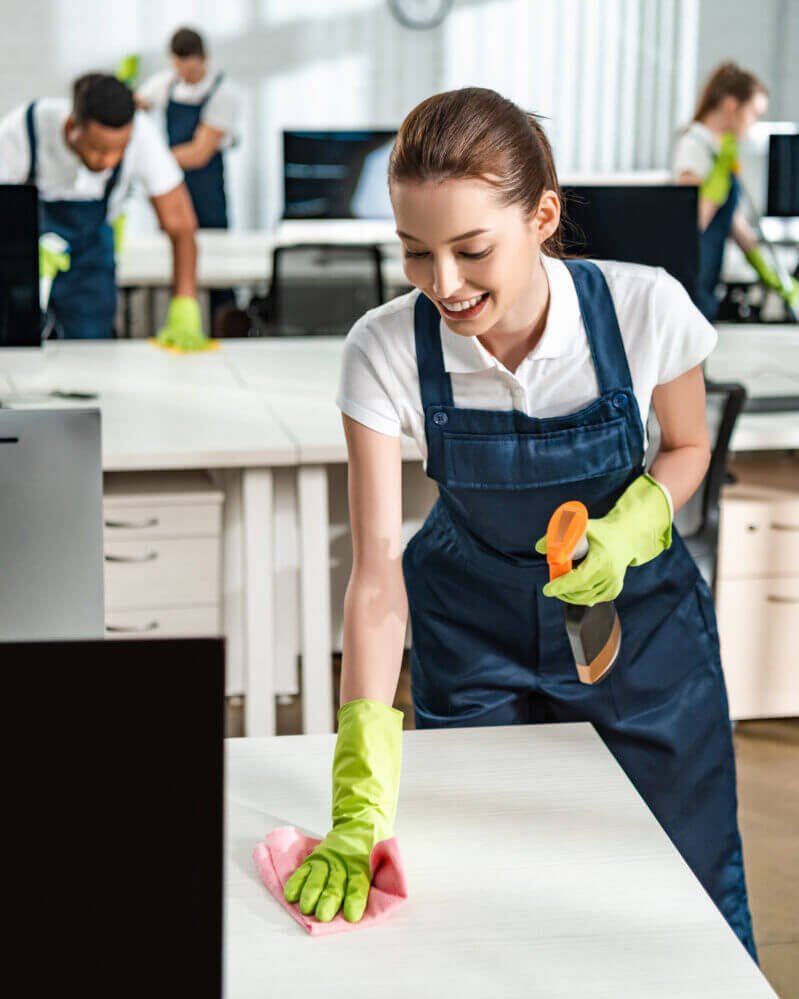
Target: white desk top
{"points": [[534, 869]]}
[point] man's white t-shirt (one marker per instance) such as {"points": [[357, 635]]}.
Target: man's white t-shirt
{"points": [[664, 336], [221, 111], [61, 174], [695, 151]]}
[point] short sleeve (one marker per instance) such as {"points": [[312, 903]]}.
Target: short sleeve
{"points": [[153, 164], [692, 155], [14, 148], [365, 391], [221, 111], [684, 336]]}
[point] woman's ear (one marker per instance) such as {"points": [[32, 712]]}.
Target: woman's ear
{"points": [[546, 217]]}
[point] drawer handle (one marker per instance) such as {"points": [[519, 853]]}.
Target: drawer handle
{"points": [[127, 525], [118, 628], [782, 600], [785, 527], [147, 557]]}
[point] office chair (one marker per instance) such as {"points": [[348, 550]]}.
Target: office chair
{"points": [[702, 537], [319, 288]]}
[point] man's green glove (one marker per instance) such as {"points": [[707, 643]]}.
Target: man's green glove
{"points": [[771, 279], [183, 330], [118, 228], [366, 773], [128, 70], [636, 530], [716, 186], [52, 261]]}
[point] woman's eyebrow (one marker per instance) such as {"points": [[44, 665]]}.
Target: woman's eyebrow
{"points": [[455, 239]]}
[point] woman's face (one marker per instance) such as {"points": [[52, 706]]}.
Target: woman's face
{"points": [[742, 115], [475, 258]]}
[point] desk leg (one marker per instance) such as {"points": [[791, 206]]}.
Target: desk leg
{"points": [[257, 523], [317, 676]]}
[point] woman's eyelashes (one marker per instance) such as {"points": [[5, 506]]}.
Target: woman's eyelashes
{"points": [[419, 254]]}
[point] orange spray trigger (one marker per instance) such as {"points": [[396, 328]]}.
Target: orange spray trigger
{"points": [[566, 537]]}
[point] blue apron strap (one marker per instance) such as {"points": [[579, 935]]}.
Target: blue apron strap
{"points": [[31, 129], [434, 381], [212, 90], [171, 89], [601, 326]]}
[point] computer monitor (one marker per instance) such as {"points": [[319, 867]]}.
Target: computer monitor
{"points": [[112, 764], [783, 176], [336, 174], [20, 316], [654, 225], [51, 524]]}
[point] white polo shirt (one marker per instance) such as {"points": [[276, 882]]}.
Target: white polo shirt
{"points": [[664, 336], [695, 151], [61, 174], [221, 112]]}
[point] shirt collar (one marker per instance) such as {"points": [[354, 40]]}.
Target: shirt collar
{"points": [[463, 355]]}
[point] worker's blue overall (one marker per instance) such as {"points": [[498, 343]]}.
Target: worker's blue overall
{"points": [[206, 184], [83, 299], [711, 251], [490, 649]]}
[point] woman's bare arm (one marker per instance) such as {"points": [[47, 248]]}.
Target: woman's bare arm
{"points": [[684, 452]]}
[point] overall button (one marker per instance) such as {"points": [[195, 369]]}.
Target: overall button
{"points": [[440, 419], [620, 400]]}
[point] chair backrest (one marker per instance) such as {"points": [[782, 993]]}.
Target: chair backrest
{"points": [[322, 288]]}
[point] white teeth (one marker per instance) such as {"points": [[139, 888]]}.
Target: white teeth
{"points": [[462, 306]]}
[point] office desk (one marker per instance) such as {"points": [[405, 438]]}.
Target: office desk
{"points": [[160, 412], [583, 894]]}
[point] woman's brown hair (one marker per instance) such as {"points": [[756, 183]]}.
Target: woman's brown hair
{"points": [[727, 80], [476, 133]]}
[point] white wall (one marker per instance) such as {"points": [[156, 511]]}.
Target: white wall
{"points": [[614, 77]]}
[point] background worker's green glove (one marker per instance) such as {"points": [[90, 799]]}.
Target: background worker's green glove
{"points": [[128, 70], [366, 773], [716, 186], [637, 529], [183, 330], [52, 257], [771, 279], [118, 228]]}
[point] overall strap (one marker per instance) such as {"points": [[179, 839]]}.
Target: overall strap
{"points": [[601, 326], [434, 381], [212, 90], [31, 129]]}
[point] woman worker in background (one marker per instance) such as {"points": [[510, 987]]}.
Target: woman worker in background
{"points": [[525, 381], [706, 154]]}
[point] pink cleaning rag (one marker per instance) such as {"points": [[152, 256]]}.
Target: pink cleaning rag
{"points": [[285, 848]]}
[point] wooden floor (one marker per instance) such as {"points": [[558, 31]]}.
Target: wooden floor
{"points": [[767, 754]]}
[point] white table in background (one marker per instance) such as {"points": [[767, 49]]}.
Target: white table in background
{"points": [[534, 869], [160, 412]]}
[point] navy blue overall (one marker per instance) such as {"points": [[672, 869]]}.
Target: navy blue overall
{"points": [[206, 184], [711, 251], [490, 649], [83, 299]]}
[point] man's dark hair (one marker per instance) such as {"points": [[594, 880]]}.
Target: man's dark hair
{"points": [[187, 42], [104, 99]]}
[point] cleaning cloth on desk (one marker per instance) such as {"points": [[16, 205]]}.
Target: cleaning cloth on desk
{"points": [[285, 848]]}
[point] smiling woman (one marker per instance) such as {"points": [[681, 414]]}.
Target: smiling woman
{"points": [[526, 381]]}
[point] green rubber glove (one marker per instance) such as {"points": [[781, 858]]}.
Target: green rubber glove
{"points": [[128, 70], [636, 530], [118, 228], [771, 279], [52, 261], [183, 330], [716, 186], [366, 773]]}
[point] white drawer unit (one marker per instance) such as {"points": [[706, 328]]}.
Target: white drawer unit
{"points": [[757, 588], [162, 546]]}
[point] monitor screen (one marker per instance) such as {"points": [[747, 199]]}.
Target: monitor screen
{"points": [[20, 318], [639, 224], [112, 786], [783, 176], [336, 175]]}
